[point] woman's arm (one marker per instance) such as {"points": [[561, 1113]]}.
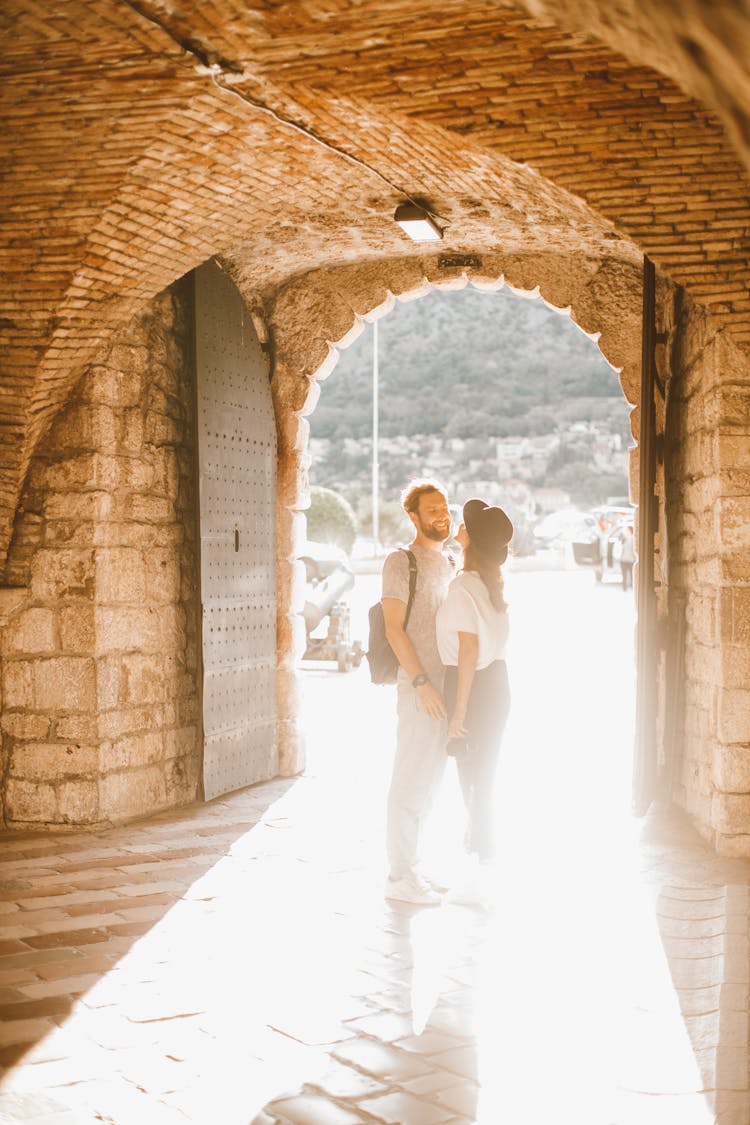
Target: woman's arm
{"points": [[468, 652]]}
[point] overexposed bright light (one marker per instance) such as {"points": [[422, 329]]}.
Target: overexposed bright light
{"points": [[282, 958], [417, 223]]}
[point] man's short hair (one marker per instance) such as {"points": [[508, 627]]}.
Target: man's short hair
{"points": [[411, 495]]}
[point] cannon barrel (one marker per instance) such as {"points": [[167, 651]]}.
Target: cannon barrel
{"points": [[321, 598]]}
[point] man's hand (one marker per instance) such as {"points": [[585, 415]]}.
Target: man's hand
{"points": [[432, 701]]}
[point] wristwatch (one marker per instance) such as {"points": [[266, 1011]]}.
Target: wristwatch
{"points": [[419, 680]]}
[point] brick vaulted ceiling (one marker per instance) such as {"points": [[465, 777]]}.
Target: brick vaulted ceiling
{"points": [[141, 137]]}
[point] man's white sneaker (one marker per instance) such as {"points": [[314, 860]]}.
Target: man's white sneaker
{"points": [[412, 888]]}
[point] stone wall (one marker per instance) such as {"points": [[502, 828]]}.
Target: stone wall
{"points": [[99, 640], [708, 515]]}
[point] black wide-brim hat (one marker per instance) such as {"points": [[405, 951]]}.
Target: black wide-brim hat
{"points": [[489, 529]]}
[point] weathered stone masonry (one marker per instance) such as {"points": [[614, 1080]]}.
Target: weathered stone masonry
{"points": [[141, 140], [99, 638], [708, 524], [99, 649]]}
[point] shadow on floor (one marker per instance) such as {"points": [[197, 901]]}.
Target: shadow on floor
{"points": [[73, 904]]}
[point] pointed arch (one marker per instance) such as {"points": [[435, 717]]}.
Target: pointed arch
{"points": [[316, 315]]}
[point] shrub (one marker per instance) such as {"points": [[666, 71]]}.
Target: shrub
{"points": [[331, 519]]}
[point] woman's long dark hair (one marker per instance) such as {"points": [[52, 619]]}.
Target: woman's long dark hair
{"points": [[489, 571]]}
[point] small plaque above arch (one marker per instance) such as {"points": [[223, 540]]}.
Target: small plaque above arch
{"points": [[459, 262]]}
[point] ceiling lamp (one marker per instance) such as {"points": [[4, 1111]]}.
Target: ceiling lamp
{"points": [[417, 223]]}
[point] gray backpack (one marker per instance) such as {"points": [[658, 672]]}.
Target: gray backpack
{"points": [[380, 655]]}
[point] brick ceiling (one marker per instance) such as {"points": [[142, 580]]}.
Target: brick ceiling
{"points": [[142, 137]]}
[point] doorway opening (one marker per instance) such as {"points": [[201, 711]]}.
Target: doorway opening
{"points": [[501, 397]]}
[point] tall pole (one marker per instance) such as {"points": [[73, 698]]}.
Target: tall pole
{"points": [[375, 439]]}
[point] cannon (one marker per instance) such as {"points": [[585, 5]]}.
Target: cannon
{"points": [[328, 579]]}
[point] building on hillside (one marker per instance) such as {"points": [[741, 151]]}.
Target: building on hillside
{"points": [[518, 493], [549, 500], [512, 449]]}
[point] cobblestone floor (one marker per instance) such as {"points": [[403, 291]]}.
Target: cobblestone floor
{"points": [[237, 963]]}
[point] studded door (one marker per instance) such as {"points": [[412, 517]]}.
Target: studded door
{"points": [[237, 472]]}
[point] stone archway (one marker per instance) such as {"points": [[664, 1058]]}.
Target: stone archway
{"points": [[316, 315], [703, 626]]}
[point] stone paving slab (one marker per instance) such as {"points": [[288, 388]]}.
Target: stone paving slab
{"points": [[291, 991]]}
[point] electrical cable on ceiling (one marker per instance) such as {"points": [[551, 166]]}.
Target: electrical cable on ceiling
{"points": [[311, 135], [226, 66]]}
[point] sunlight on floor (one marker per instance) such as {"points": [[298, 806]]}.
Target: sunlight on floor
{"points": [[562, 994]]}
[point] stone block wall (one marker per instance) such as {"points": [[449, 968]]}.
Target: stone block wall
{"points": [[708, 447], [99, 643]]}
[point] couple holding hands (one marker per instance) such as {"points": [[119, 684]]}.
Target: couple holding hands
{"points": [[452, 687]]}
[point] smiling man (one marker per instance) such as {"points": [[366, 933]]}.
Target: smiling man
{"points": [[420, 750]]}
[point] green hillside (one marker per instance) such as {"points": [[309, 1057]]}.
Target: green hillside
{"points": [[471, 364]]}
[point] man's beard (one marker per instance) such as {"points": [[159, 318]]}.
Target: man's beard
{"points": [[430, 531]]}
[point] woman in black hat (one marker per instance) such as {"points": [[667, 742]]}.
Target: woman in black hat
{"points": [[472, 633]]}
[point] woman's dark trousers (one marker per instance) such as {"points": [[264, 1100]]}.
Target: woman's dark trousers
{"points": [[486, 716]]}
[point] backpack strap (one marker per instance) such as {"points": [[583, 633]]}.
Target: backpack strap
{"points": [[412, 582]]}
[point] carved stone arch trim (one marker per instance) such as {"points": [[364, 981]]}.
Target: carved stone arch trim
{"points": [[314, 315]]}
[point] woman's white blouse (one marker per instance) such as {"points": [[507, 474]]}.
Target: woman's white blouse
{"points": [[468, 609]]}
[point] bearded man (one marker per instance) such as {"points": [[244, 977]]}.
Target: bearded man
{"points": [[420, 748]]}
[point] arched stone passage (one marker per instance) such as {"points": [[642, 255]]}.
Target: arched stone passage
{"points": [[282, 139], [702, 485], [313, 316], [701, 489]]}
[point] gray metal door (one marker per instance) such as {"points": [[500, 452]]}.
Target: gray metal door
{"points": [[237, 474]]}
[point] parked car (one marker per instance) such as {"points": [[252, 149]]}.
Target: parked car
{"points": [[593, 544], [587, 543], [566, 526]]}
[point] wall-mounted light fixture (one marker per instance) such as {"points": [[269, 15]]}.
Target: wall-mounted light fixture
{"points": [[417, 223]]}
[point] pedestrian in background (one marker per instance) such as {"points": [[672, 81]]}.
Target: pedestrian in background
{"points": [[627, 557], [472, 633]]}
